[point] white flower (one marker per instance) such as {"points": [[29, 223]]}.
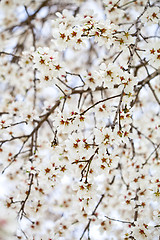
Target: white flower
{"points": [[66, 19], [26, 61], [151, 16], [141, 231], [49, 64], [153, 53], [109, 75], [92, 80]]}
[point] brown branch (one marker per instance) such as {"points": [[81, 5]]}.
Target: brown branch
{"points": [[89, 163], [136, 206], [122, 178], [9, 54], [45, 118], [14, 124], [13, 138], [154, 94], [93, 213], [21, 211], [118, 109], [140, 133], [148, 78], [103, 100], [29, 18], [143, 82], [155, 150], [121, 221]]}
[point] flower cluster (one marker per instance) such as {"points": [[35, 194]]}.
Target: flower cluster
{"points": [[72, 31], [151, 16], [79, 120], [153, 54], [48, 63]]}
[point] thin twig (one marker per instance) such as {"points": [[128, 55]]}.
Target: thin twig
{"points": [[93, 213]]}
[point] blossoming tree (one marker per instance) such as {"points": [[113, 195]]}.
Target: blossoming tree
{"points": [[79, 119]]}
